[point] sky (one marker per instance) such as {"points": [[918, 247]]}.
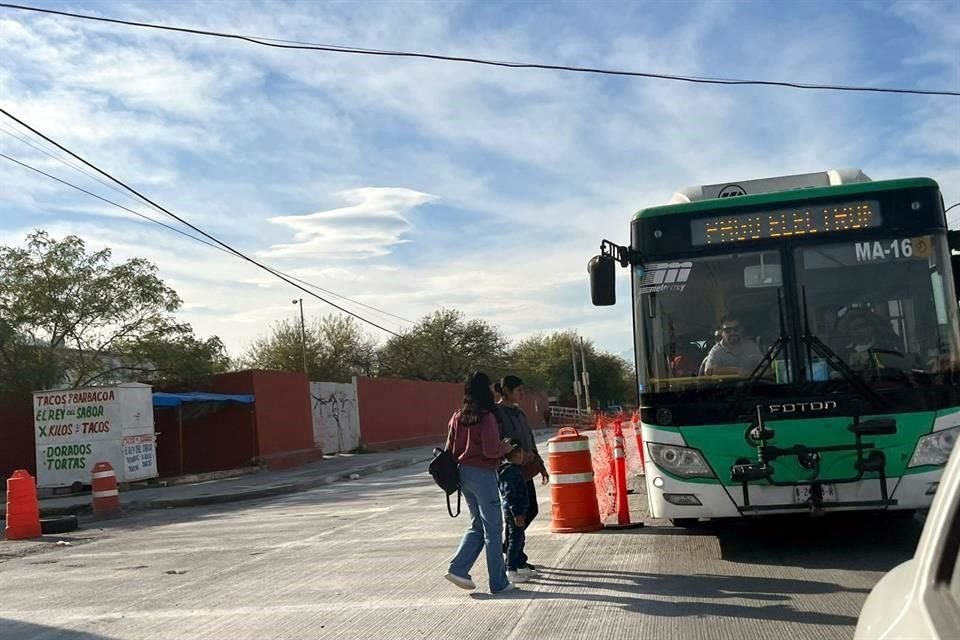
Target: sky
{"points": [[410, 185]]}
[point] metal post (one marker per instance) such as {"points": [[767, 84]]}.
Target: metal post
{"points": [[303, 336], [576, 383], [180, 433], [586, 375]]}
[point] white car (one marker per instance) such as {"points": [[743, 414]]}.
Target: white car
{"points": [[920, 599]]}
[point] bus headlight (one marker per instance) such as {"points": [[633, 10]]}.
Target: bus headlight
{"points": [[680, 461], [934, 448]]}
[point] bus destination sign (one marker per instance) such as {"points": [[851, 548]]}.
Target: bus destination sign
{"points": [[785, 223]]}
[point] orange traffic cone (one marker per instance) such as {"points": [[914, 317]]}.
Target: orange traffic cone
{"points": [[23, 510], [643, 459], [620, 478]]}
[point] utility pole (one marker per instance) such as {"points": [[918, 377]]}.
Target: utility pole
{"points": [[586, 375], [303, 335], [576, 382]]}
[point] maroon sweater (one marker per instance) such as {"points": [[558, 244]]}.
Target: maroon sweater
{"points": [[477, 445]]}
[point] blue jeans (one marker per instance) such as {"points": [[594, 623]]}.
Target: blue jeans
{"points": [[480, 489], [516, 539], [532, 512]]}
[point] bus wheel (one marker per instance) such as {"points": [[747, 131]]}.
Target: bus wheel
{"points": [[685, 523]]}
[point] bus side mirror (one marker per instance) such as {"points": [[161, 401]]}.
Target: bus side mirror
{"points": [[603, 281]]}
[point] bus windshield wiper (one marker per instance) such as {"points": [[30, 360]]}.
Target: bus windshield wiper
{"points": [[815, 344], [779, 345]]}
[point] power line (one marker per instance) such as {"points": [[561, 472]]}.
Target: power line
{"points": [[192, 226], [109, 201], [192, 237], [297, 45], [4, 129], [64, 161], [491, 366]]}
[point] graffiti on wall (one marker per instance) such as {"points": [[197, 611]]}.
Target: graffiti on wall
{"points": [[336, 425]]}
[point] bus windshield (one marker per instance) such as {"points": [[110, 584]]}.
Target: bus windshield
{"points": [[709, 320], [881, 306]]}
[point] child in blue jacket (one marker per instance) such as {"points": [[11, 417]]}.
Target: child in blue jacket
{"points": [[513, 490]]}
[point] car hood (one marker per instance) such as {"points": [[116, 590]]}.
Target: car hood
{"points": [[890, 605]]}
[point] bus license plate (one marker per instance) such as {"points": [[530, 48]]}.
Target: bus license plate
{"points": [[801, 494]]}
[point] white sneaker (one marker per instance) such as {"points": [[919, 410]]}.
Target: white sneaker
{"points": [[510, 587], [528, 572], [463, 583], [517, 577]]}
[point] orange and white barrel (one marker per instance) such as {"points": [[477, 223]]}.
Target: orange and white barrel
{"points": [[572, 488], [106, 494]]}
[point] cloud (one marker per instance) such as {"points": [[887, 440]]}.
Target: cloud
{"points": [[524, 172], [374, 222]]}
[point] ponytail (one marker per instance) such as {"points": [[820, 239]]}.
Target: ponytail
{"points": [[509, 383]]}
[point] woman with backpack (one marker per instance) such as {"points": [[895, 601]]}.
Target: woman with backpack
{"points": [[474, 440], [515, 426]]}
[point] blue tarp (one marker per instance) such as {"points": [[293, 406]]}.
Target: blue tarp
{"points": [[177, 399]]}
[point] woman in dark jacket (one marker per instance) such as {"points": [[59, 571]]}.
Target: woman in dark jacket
{"points": [[515, 426], [474, 439]]}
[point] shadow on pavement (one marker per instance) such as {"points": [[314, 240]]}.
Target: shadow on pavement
{"points": [[765, 614], [634, 586], [864, 542], [30, 631], [693, 586]]}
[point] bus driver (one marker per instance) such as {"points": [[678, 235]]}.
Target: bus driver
{"points": [[732, 355]]}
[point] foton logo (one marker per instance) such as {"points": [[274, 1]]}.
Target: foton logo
{"points": [[665, 276], [802, 407]]}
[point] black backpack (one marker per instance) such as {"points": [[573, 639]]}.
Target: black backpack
{"points": [[446, 473]]}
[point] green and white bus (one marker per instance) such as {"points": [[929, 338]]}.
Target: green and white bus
{"points": [[797, 345]]}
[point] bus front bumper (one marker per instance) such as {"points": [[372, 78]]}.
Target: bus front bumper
{"points": [[673, 498]]}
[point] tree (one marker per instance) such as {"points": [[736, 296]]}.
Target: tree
{"points": [[347, 351], [69, 317], [612, 380], [180, 358], [446, 347], [544, 361], [337, 349]]}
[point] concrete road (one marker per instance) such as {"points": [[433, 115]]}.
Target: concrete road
{"points": [[366, 560]]}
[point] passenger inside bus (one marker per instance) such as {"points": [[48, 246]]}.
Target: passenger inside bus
{"points": [[684, 359], [870, 341], [733, 355]]}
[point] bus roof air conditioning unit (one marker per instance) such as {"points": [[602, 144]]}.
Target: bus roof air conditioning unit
{"points": [[829, 178]]}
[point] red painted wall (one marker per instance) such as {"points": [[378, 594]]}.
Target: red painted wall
{"points": [[278, 422], [533, 405], [215, 437], [282, 405], [393, 414], [398, 413], [17, 448], [284, 416]]}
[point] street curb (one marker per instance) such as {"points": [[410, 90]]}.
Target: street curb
{"points": [[55, 512], [239, 496], [216, 498], [281, 489], [86, 508]]}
